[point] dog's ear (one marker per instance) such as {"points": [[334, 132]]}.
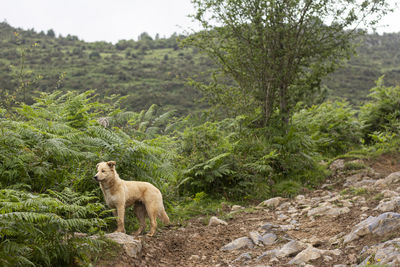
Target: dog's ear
{"points": [[97, 165], [111, 164]]}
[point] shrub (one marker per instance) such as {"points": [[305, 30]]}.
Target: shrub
{"points": [[380, 116], [39, 229], [332, 125], [230, 160]]}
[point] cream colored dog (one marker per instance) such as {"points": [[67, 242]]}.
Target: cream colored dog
{"points": [[119, 194]]}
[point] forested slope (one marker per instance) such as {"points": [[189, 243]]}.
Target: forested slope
{"points": [[154, 71]]}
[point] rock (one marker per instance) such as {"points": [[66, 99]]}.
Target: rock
{"points": [[327, 209], [337, 165], [236, 208], [270, 253], [365, 183], [194, 257], [389, 193], [353, 179], [128, 243], [287, 227], [291, 249], [269, 239], [300, 198], [267, 227], [380, 225], [306, 255], [364, 209], [292, 210], [215, 221], [390, 205], [311, 253], [271, 203], [243, 257], [255, 237], [387, 253], [347, 203], [239, 243], [282, 217], [388, 180]]}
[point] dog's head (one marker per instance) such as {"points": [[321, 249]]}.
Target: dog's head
{"points": [[105, 171]]}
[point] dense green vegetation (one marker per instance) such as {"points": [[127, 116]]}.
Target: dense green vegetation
{"points": [[66, 105]]}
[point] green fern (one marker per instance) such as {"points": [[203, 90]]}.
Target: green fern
{"points": [[39, 229]]}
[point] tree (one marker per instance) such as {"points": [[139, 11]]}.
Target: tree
{"points": [[277, 51], [51, 33]]}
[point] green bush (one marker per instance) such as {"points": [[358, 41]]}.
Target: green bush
{"points": [[206, 154], [230, 160], [332, 125], [380, 116]]}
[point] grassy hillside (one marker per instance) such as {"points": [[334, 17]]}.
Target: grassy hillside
{"points": [[153, 71], [377, 55]]}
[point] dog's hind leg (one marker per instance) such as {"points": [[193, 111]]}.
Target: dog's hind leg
{"points": [[140, 212], [152, 212]]}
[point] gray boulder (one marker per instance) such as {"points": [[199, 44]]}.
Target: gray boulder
{"points": [[380, 225], [387, 254]]}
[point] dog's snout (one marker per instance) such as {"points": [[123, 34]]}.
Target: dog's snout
{"points": [[95, 177]]}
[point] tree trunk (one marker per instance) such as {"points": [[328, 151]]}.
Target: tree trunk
{"points": [[284, 110], [268, 104]]}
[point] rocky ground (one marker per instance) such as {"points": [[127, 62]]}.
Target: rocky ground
{"points": [[352, 220]]}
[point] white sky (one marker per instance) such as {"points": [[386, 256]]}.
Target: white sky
{"points": [[113, 20]]}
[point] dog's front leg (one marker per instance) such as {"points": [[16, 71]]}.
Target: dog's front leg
{"points": [[120, 218]]}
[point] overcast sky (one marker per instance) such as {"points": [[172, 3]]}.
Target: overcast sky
{"points": [[113, 20]]}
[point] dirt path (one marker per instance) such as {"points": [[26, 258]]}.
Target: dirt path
{"points": [[197, 244]]}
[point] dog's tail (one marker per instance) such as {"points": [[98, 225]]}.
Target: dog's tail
{"points": [[164, 217]]}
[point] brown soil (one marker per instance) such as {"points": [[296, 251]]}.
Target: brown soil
{"points": [[197, 244]]}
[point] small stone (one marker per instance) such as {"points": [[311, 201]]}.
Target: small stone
{"points": [[282, 217], [194, 257], [337, 165], [300, 198], [364, 209], [271, 203], [255, 237], [236, 207], [239, 243], [327, 258], [215, 221], [269, 239], [269, 227]]}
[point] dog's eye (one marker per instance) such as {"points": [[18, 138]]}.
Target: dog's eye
{"points": [[103, 171]]}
